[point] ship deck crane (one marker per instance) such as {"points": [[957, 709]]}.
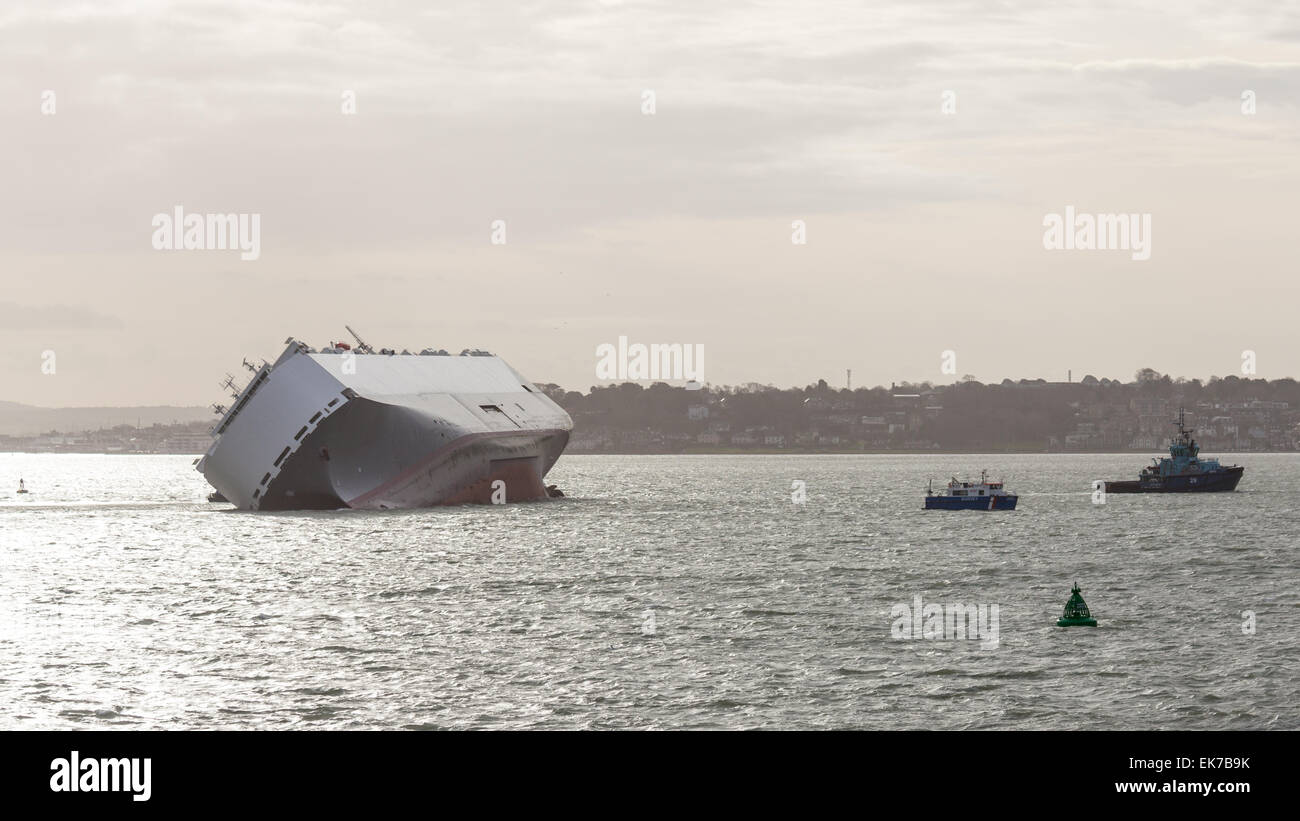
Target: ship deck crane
{"points": [[362, 347]]}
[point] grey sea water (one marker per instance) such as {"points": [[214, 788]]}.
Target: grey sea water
{"points": [[662, 592]]}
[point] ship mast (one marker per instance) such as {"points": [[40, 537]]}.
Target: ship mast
{"points": [[1183, 444]]}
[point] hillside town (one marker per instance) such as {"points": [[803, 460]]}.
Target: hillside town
{"points": [[1091, 415], [191, 437]]}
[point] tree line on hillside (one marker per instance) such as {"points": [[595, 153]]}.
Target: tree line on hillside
{"points": [[966, 413]]}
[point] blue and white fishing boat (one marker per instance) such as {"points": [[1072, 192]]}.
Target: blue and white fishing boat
{"points": [[981, 495]]}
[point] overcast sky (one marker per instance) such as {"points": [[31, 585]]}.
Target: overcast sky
{"points": [[924, 228]]}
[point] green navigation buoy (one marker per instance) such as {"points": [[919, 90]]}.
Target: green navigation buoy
{"points": [[1076, 612]]}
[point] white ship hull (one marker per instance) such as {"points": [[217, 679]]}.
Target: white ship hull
{"points": [[374, 431]]}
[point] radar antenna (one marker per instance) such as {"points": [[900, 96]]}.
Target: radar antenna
{"points": [[362, 347]]}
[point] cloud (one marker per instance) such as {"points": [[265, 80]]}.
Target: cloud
{"points": [[17, 317], [1189, 82], [767, 112]]}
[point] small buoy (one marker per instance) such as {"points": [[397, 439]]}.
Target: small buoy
{"points": [[1076, 612], [22, 488]]}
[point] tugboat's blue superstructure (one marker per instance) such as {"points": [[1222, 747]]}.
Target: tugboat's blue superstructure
{"points": [[981, 495], [1182, 471]]}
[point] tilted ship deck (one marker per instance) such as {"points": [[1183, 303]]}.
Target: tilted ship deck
{"points": [[339, 428]]}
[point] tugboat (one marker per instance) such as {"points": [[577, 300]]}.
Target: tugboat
{"points": [[1182, 471], [1076, 611], [981, 495]]}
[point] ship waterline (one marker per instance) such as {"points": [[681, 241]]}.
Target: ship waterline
{"points": [[338, 429]]}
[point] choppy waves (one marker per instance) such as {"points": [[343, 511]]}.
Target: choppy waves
{"points": [[661, 592]]}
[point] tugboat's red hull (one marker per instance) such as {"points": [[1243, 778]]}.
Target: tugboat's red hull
{"points": [[1220, 481]]}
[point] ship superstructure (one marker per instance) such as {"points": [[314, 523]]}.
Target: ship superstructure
{"points": [[356, 428]]}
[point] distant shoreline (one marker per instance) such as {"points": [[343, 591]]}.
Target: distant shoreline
{"points": [[738, 452], [902, 452]]}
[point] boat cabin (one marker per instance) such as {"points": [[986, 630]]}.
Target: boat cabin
{"points": [[981, 488]]}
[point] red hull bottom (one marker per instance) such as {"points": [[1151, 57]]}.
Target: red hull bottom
{"points": [[520, 483]]}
